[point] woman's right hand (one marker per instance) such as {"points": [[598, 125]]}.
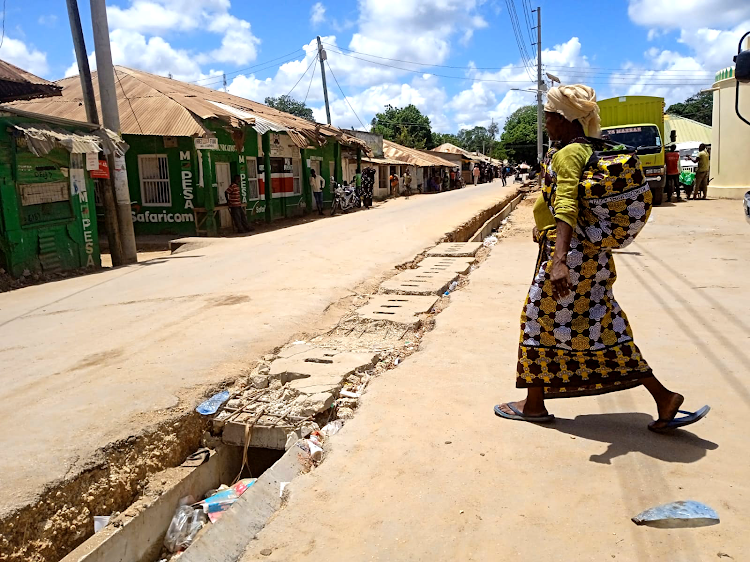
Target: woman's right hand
{"points": [[535, 234]]}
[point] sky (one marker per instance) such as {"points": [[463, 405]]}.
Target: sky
{"points": [[460, 62]]}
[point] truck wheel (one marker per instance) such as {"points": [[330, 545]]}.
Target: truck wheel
{"points": [[658, 193]]}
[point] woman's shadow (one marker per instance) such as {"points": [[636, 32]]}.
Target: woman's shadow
{"points": [[626, 433]]}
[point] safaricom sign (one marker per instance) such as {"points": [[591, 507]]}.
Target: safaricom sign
{"points": [[148, 216]]}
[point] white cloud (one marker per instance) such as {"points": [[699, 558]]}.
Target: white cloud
{"points": [[49, 20], [687, 14], [163, 17], [317, 13], [28, 58]]}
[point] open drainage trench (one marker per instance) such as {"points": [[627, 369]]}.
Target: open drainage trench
{"points": [[287, 395]]}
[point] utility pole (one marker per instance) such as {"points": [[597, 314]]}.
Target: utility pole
{"points": [[224, 79], [92, 116], [539, 85], [322, 57], [111, 119]]}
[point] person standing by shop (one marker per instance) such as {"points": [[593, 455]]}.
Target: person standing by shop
{"points": [[407, 183], [673, 172], [316, 185], [394, 184], [701, 174], [236, 208], [476, 173]]}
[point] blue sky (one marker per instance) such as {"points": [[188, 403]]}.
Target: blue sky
{"points": [[656, 47]]}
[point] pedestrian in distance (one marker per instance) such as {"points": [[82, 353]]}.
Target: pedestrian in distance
{"points": [[503, 175], [673, 172], [236, 207], [575, 338], [476, 173], [316, 185], [407, 183], [701, 174], [394, 184]]}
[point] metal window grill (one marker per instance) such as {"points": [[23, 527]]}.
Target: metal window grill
{"points": [[154, 175], [296, 167], [252, 178]]}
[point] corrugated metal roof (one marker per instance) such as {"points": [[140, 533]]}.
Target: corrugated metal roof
{"points": [[385, 161], [453, 149], [155, 105], [18, 84], [687, 129], [413, 156]]}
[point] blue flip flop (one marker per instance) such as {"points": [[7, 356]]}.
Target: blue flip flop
{"points": [[520, 416], [688, 419]]}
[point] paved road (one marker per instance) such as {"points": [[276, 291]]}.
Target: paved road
{"points": [[91, 360], [425, 471]]}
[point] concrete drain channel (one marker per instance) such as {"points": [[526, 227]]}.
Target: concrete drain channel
{"points": [[271, 428]]}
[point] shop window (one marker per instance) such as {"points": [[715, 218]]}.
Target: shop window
{"points": [[153, 170], [252, 179], [296, 167]]}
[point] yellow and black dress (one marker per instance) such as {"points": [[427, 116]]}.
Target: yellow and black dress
{"points": [[580, 345]]}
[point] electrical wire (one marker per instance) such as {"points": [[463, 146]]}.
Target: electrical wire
{"points": [[303, 75], [128, 100], [219, 80], [250, 67], [518, 34], [345, 98], [526, 5], [311, 80], [2, 40]]}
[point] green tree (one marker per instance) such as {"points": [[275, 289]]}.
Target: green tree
{"points": [[518, 140], [698, 107], [288, 104], [404, 125], [442, 138], [478, 139]]}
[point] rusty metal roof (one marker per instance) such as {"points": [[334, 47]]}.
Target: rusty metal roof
{"points": [[17, 84], [413, 156], [155, 105], [453, 149]]}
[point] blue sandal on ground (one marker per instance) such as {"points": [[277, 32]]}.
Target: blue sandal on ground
{"points": [[519, 415], [688, 419]]}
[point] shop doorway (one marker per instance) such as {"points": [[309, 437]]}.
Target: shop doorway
{"points": [[223, 180]]}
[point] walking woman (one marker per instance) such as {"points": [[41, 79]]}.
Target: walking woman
{"points": [[575, 338]]}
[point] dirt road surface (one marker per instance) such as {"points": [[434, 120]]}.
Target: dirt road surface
{"points": [[92, 360], [426, 471]]}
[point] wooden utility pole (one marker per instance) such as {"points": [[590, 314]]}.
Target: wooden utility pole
{"points": [[92, 116], [322, 57], [111, 118], [539, 86]]}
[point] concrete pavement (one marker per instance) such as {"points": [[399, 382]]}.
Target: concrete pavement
{"points": [[426, 471], [95, 359]]}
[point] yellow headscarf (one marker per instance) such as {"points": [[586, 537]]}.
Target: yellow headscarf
{"points": [[576, 102]]}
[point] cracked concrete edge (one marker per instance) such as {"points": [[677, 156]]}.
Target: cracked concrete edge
{"points": [[495, 221], [227, 539]]}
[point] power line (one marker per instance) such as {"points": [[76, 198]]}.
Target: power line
{"points": [[2, 40], [313, 61], [518, 34], [128, 100], [526, 5], [345, 98], [250, 67], [311, 80], [219, 80]]}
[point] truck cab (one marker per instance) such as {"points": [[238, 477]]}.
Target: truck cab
{"points": [[638, 121]]}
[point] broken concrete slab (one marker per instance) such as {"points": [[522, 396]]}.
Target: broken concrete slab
{"points": [[419, 282], [455, 249], [312, 370], [457, 265], [400, 309], [270, 433]]}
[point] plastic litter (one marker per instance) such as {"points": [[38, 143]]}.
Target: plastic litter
{"points": [[100, 521], [316, 451], [217, 504], [349, 394], [186, 522], [446, 293], [332, 428], [677, 515], [490, 241], [453, 286], [212, 404]]}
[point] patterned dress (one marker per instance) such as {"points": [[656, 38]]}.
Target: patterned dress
{"points": [[581, 345]]}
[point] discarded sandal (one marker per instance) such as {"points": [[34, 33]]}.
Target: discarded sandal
{"points": [[520, 416], [688, 419]]}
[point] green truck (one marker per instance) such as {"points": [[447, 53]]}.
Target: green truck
{"points": [[638, 121]]}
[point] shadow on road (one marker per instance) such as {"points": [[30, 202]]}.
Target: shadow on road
{"points": [[628, 433]]}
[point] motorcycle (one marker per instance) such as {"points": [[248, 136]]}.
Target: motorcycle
{"points": [[345, 198]]}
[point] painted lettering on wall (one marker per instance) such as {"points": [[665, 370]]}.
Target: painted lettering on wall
{"points": [[187, 183], [163, 216], [77, 178], [227, 148]]}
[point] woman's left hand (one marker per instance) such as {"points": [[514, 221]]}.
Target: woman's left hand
{"points": [[560, 277]]}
